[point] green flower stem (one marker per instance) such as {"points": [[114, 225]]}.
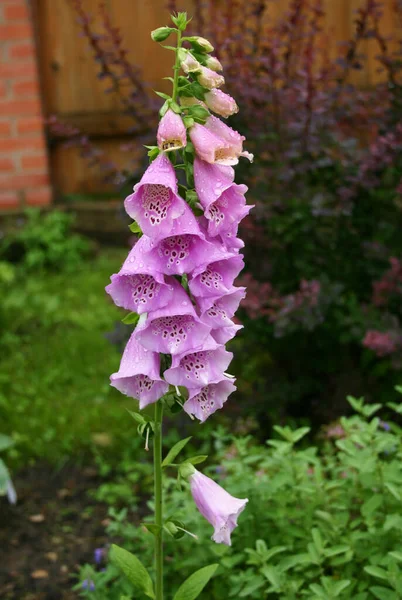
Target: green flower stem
{"points": [[176, 68], [158, 500]]}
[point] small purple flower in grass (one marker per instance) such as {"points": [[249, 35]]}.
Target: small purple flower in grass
{"points": [[386, 426], [155, 203], [216, 506], [223, 200], [218, 312], [174, 329], [88, 584], [139, 374], [202, 403], [172, 133], [216, 278], [98, 555], [199, 368]]}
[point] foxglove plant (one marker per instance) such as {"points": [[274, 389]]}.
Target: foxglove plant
{"points": [[178, 281]]}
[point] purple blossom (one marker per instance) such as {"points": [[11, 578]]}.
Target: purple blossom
{"points": [[88, 584], [172, 133], [98, 555], [216, 506]]}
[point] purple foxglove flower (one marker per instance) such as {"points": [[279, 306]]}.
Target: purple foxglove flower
{"points": [[174, 329], [212, 148], [172, 133], [202, 403], [223, 201], [229, 135], [155, 203], [188, 63], [230, 240], [223, 334], [216, 278], [217, 312], [220, 103], [217, 506], [138, 375], [209, 79], [139, 291], [199, 368]]}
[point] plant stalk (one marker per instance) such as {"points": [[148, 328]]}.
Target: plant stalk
{"points": [[176, 68], [158, 500]]}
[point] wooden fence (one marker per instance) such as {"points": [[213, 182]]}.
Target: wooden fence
{"points": [[73, 92]]}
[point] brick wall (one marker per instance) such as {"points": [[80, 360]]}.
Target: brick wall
{"points": [[24, 173]]}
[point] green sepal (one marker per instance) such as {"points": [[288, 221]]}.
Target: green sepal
{"points": [[186, 470], [193, 586], [198, 112], [174, 451], [188, 122], [135, 228], [140, 419], [169, 47], [161, 95], [192, 197], [133, 569], [164, 108], [153, 153], [152, 528], [196, 460], [180, 20], [131, 319]]}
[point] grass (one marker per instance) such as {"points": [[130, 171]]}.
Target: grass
{"points": [[55, 398]]}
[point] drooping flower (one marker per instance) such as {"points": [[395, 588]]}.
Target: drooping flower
{"points": [[155, 203], [217, 506], [218, 312], [139, 374], [223, 200], [209, 79], [139, 289], [174, 329], [222, 335], [214, 64], [202, 403], [199, 368], [210, 147], [216, 278], [171, 132], [188, 63], [229, 135], [220, 103]]}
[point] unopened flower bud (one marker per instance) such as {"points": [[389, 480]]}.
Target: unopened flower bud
{"points": [[209, 78], [220, 103], [161, 34], [202, 43], [214, 64]]}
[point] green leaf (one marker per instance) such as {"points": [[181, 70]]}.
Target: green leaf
{"points": [[133, 569], [339, 586], [131, 319], [137, 417], [273, 576], [377, 572], [5, 442], [134, 227], [173, 452], [383, 593], [396, 555], [371, 505], [393, 489], [335, 550], [193, 586], [196, 460], [299, 433], [152, 528], [317, 540]]}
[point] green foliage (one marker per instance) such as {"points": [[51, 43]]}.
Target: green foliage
{"points": [[133, 569], [322, 522], [44, 241]]}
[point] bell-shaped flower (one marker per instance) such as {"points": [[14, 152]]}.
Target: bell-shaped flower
{"points": [[229, 135], [210, 147], [209, 79], [199, 368], [175, 328], [216, 278], [218, 312], [139, 374], [155, 203], [229, 238], [223, 201], [217, 506], [188, 63], [202, 403], [220, 103], [222, 335], [172, 133]]}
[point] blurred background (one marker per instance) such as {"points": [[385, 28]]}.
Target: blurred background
{"points": [[319, 86]]}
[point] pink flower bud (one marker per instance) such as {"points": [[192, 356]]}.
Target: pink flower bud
{"points": [[209, 78], [190, 64], [220, 103], [216, 506], [171, 132]]}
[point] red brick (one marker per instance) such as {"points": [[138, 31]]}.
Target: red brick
{"points": [[20, 182], [20, 107], [7, 164], [18, 69], [15, 31], [30, 125], [26, 88], [21, 50], [39, 197], [12, 144], [9, 200], [34, 161], [16, 12], [5, 128]]}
